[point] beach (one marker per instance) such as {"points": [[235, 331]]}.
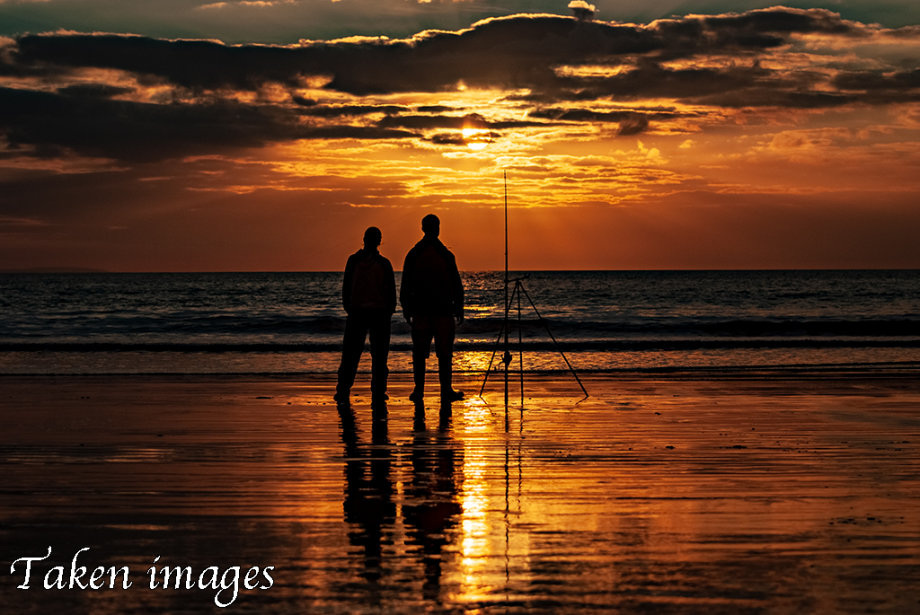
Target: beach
{"points": [[681, 492], [676, 236]]}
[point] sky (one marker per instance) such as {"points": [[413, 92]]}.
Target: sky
{"points": [[266, 135]]}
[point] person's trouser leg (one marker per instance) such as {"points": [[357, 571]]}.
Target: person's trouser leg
{"points": [[418, 377], [421, 348], [352, 346], [444, 330], [380, 349], [445, 377]]}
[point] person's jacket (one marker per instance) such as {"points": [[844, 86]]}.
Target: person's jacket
{"points": [[431, 283], [369, 283]]}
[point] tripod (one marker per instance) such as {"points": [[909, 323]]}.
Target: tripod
{"points": [[518, 291], [507, 357]]}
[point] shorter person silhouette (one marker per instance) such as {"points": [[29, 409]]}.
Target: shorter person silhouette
{"points": [[369, 298], [431, 296]]}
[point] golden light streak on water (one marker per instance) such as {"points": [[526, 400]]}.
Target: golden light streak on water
{"points": [[480, 547]]}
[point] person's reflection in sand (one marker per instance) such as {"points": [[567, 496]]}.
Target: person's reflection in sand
{"points": [[368, 505], [431, 505]]}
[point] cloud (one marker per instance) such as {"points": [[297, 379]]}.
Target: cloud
{"points": [[582, 10], [889, 85], [633, 125], [629, 121], [317, 110], [138, 98], [193, 64], [93, 90], [516, 51], [142, 132], [258, 4], [194, 148]]}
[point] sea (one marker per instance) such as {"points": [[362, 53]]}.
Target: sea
{"points": [[291, 324]]}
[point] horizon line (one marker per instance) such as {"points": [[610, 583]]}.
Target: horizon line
{"points": [[87, 270]]}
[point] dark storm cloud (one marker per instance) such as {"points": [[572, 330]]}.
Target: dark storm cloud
{"points": [[422, 122], [587, 115], [650, 79], [448, 138], [419, 122], [769, 97], [630, 122], [192, 64], [94, 90], [894, 86], [733, 86], [518, 51], [11, 64], [782, 20], [317, 110], [144, 132], [538, 54], [435, 109], [129, 131], [352, 132]]}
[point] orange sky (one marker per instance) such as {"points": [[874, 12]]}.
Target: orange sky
{"points": [[769, 139]]}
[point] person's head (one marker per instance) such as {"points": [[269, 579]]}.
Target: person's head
{"points": [[431, 226], [372, 237]]}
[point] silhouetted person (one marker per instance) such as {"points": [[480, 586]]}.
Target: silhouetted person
{"points": [[431, 297], [369, 298]]}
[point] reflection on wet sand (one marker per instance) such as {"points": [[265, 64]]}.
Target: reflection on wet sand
{"points": [[429, 504], [431, 507], [732, 496], [368, 504]]}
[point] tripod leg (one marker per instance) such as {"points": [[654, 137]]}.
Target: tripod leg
{"points": [[520, 341], [491, 360], [506, 356], [552, 337]]}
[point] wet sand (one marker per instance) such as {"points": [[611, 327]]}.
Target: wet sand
{"points": [[723, 493]]}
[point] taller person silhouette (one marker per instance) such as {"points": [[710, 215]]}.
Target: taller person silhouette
{"points": [[431, 296], [369, 298]]}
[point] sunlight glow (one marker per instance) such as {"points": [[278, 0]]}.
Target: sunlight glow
{"points": [[475, 139], [476, 545], [476, 132]]}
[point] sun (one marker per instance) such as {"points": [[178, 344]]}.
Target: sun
{"points": [[475, 138], [476, 132]]}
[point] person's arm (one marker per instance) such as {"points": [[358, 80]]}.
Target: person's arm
{"points": [[391, 287], [347, 283], [405, 287], [457, 290]]}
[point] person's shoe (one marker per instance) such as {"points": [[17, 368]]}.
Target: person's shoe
{"points": [[416, 396], [452, 396]]}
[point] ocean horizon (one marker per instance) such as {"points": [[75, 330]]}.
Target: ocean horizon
{"points": [[604, 321]]}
